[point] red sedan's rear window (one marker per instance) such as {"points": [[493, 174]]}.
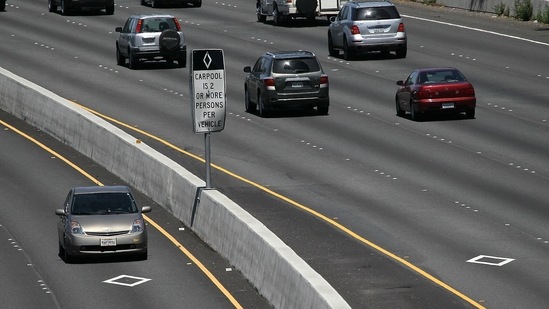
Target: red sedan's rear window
{"points": [[446, 76]]}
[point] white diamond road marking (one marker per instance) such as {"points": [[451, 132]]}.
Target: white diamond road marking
{"points": [[126, 280], [490, 260]]}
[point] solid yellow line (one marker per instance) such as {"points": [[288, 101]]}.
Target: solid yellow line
{"points": [[302, 207], [220, 286]]}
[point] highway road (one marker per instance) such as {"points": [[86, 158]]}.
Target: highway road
{"points": [[35, 180], [388, 210]]}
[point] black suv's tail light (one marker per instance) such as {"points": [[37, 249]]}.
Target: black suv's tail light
{"points": [[324, 80], [269, 83]]}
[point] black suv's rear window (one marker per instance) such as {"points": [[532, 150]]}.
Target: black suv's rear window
{"points": [[386, 12], [296, 65]]}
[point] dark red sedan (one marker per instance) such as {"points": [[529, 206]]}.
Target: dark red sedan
{"points": [[435, 90]]}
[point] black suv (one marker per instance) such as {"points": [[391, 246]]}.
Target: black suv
{"points": [[69, 6], [286, 80]]}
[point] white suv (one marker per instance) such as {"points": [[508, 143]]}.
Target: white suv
{"points": [[150, 37], [367, 26]]}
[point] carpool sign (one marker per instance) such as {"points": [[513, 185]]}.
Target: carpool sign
{"points": [[208, 90]]}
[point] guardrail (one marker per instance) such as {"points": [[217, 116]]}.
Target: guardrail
{"points": [[277, 272]]}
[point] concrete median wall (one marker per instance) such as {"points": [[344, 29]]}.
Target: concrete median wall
{"points": [[489, 6], [272, 267]]}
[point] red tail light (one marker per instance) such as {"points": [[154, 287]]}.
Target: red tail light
{"points": [[401, 27], [177, 24], [269, 82], [139, 26], [421, 94], [355, 30], [324, 79]]}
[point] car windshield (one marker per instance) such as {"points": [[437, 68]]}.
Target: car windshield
{"points": [[103, 204], [442, 76], [295, 65], [158, 24], [378, 13]]}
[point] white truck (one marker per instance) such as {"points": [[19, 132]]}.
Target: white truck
{"points": [[289, 9]]}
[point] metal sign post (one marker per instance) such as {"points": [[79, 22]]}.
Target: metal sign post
{"points": [[208, 99]]}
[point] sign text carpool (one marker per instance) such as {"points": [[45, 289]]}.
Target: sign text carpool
{"points": [[208, 90]]}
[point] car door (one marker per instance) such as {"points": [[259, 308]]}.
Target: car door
{"points": [[338, 31], [254, 79], [124, 38], [404, 93]]}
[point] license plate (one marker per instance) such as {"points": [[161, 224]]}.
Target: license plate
{"points": [[297, 84], [447, 105], [379, 30], [108, 242]]}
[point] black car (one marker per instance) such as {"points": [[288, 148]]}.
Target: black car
{"points": [[70, 6], [286, 80]]}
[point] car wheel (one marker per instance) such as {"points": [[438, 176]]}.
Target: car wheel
{"points": [[109, 10], [169, 40], [133, 61], [182, 61], [2, 6], [416, 115], [401, 52], [65, 255], [470, 113], [348, 54], [197, 3], [143, 2], [120, 60], [277, 17], [331, 50], [51, 6], [261, 106], [260, 17], [322, 109], [64, 9], [248, 105], [400, 112], [155, 4]]}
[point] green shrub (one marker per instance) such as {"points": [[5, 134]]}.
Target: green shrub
{"points": [[499, 9], [543, 15], [523, 10]]}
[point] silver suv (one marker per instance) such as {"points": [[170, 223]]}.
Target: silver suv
{"points": [[150, 37], [286, 80], [367, 26]]}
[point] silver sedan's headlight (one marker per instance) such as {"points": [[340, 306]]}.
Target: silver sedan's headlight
{"points": [[75, 228], [138, 226]]}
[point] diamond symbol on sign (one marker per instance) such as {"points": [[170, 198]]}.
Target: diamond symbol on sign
{"points": [[126, 280], [207, 60]]}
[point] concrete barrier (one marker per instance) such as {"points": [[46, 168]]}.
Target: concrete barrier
{"points": [[277, 272]]}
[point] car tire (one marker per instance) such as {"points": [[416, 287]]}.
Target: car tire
{"points": [[331, 50], [182, 61], [248, 105], [143, 2], [133, 61], [109, 10], [400, 112], [470, 113], [323, 109], [169, 40], [261, 107], [416, 115], [2, 6], [348, 53], [155, 3], [64, 9], [65, 255], [401, 52], [277, 17], [51, 6], [197, 3], [120, 59], [260, 17]]}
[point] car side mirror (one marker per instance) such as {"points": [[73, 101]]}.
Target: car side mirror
{"points": [[145, 209], [118, 29], [60, 212], [400, 83], [247, 69]]}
